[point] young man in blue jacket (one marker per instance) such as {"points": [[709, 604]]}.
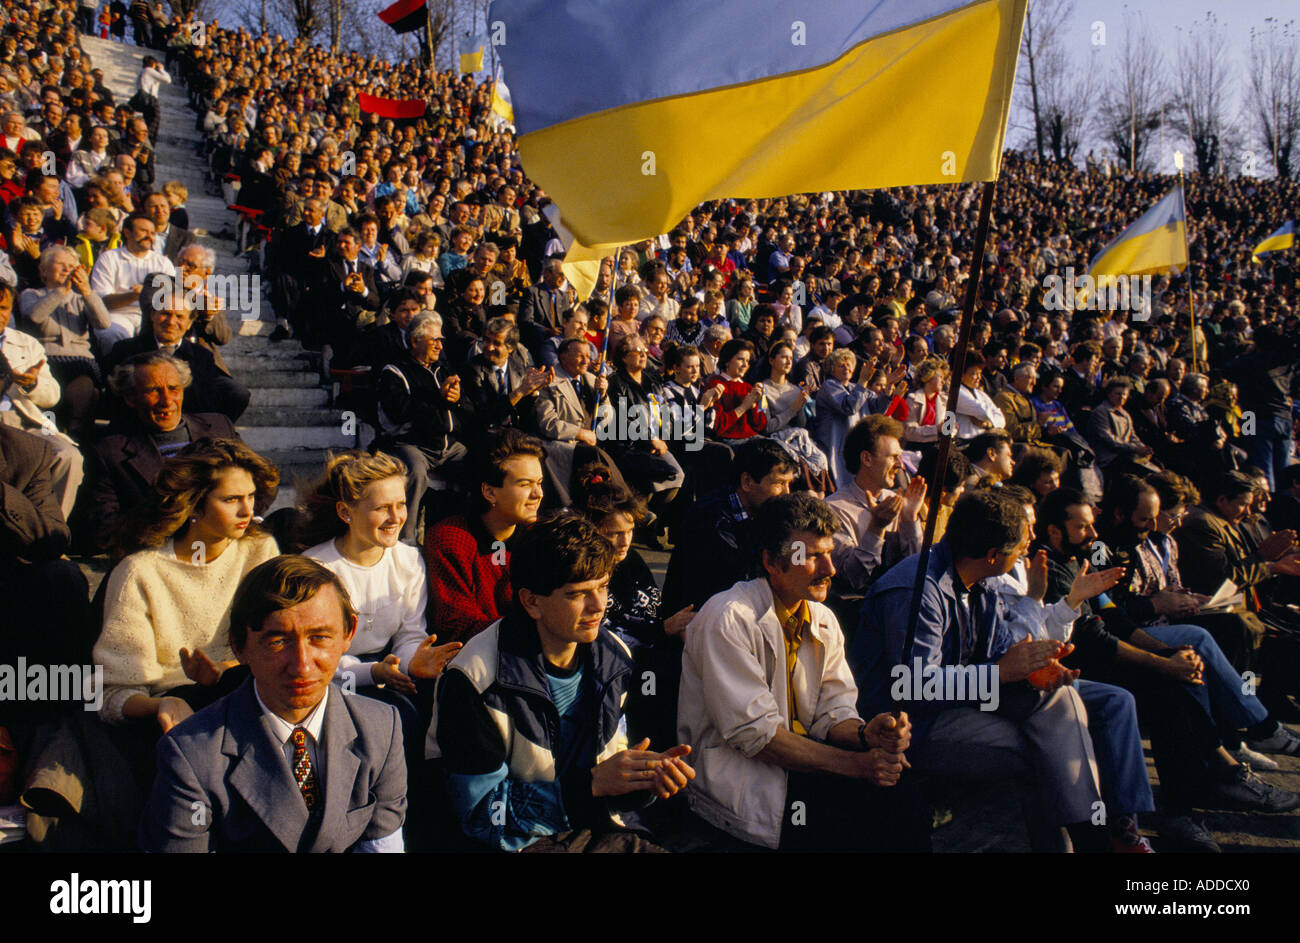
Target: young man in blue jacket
{"points": [[975, 717], [528, 722]]}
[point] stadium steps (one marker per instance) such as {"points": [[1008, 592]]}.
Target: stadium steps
{"points": [[289, 420]]}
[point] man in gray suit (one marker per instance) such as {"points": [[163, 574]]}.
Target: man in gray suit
{"points": [[565, 411], [287, 762]]}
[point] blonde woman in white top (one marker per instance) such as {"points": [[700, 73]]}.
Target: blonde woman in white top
{"points": [[167, 615], [354, 516], [926, 405]]}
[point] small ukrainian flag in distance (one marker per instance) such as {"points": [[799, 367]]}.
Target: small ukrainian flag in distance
{"points": [[472, 61], [631, 113], [501, 103], [1281, 238], [1155, 242]]}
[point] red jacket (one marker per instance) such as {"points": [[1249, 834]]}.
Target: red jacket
{"points": [[469, 578], [726, 425]]}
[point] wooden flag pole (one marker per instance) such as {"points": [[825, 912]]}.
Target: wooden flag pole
{"points": [[1187, 225], [600, 367], [935, 489]]}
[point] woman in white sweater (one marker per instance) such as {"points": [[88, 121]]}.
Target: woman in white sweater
{"points": [[353, 518], [167, 615]]}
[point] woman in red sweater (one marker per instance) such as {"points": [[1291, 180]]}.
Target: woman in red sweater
{"points": [[739, 411], [467, 555]]}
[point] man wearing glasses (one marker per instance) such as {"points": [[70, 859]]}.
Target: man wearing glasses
{"points": [[421, 420]]}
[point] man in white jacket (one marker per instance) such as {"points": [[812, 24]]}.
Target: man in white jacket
{"points": [[767, 699]]}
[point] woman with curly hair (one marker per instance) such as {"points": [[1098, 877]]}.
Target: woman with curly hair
{"points": [[352, 520], [167, 615]]}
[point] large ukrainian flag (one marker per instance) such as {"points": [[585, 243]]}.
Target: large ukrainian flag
{"points": [[1282, 238], [631, 112], [1155, 242]]}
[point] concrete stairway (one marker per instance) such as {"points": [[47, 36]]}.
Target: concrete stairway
{"points": [[290, 419]]}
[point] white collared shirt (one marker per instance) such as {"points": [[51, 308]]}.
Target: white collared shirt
{"points": [[283, 731], [313, 724]]}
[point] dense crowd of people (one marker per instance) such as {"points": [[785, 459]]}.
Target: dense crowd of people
{"points": [[762, 393]]}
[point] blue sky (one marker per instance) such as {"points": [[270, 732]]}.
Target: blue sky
{"points": [[1160, 20]]}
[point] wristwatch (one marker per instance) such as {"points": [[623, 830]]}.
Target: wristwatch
{"points": [[862, 735]]}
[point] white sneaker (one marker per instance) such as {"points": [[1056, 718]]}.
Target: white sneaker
{"points": [[1281, 741], [1245, 754]]}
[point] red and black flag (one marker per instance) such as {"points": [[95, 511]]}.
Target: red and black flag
{"points": [[391, 107], [405, 15]]}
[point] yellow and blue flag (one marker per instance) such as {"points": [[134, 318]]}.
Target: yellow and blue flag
{"points": [[471, 60], [1282, 238], [501, 103], [632, 113], [1155, 242]]}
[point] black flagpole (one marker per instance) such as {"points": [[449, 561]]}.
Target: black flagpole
{"points": [[935, 489]]}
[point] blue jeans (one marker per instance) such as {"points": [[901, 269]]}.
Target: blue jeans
{"points": [[1113, 725], [1272, 453], [1221, 696]]}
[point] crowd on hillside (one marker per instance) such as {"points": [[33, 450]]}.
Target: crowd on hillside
{"points": [[760, 392]]}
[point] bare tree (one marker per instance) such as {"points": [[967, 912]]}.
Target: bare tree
{"points": [[1203, 84], [1131, 109], [439, 29], [1041, 55], [305, 20], [186, 7], [1275, 93]]}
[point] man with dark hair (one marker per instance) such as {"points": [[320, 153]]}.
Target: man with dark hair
{"points": [[1154, 596], [1212, 548], [119, 275], [169, 239], [878, 525], [808, 369], [297, 262], [351, 297], [715, 549], [283, 763], [1165, 669], [984, 721], [1266, 376], [388, 342], [529, 724], [502, 391], [990, 456], [1080, 390], [776, 743]]}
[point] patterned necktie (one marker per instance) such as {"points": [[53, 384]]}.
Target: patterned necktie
{"points": [[302, 770]]}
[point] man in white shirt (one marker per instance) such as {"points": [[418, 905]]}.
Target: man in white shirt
{"points": [[782, 758], [119, 275]]}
